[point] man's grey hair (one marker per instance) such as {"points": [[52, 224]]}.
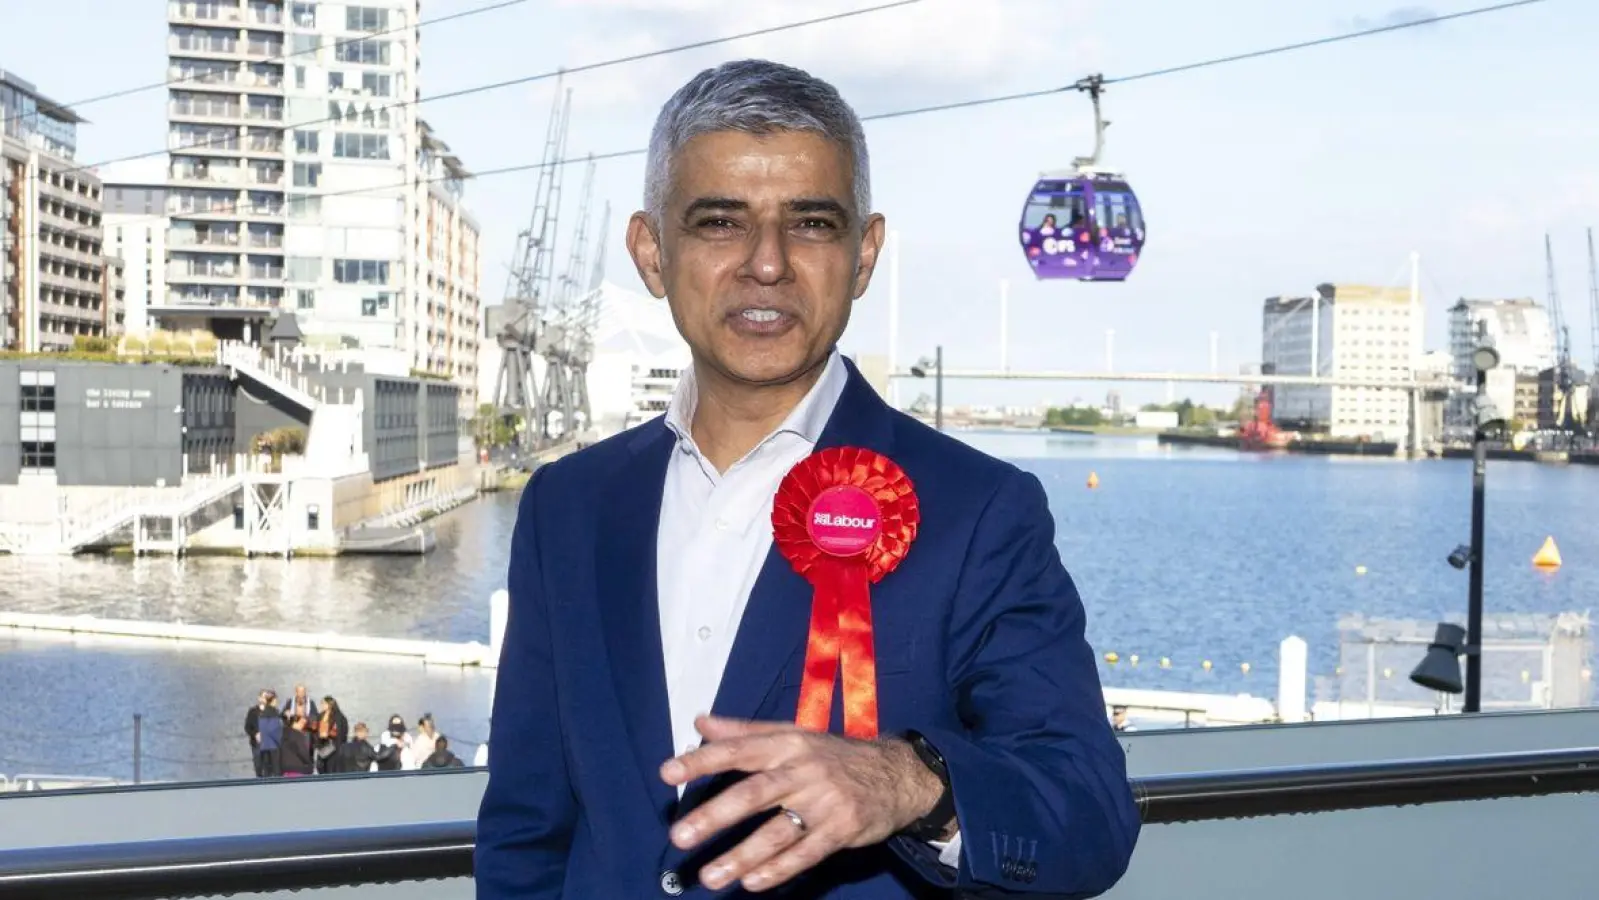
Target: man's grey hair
{"points": [[756, 97]]}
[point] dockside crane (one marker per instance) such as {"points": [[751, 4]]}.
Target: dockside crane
{"points": [[588, 324], [560, 391], [528, 287], [1593, 324], [1562, 418]]}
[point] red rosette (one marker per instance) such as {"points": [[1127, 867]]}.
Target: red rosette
{"points": [[844, 517]]}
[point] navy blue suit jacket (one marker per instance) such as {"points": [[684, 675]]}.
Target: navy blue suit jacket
{"points": [[979, 638]]}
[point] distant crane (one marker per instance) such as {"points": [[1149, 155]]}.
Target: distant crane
{"points": [[588, 323], [1560, 416], [1593, 323], [562, 333], [528, 290]]}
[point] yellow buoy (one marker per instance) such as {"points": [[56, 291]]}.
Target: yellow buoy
{"points": [[1165, 662], [1244, 667], [1206, 665], [1093, 480], [1112, 657], [1548, 556], [1360, 570], [1133, 659]]}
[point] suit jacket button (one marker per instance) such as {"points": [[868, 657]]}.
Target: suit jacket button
{"points": [[671, 885]]}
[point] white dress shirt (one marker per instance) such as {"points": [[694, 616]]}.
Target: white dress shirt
{"points": [[714, 536]]}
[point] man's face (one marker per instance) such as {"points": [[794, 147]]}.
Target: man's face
{"points": [[759, 252]]}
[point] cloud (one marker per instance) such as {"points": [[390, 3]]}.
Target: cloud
{"points": [[1402, 15], [933, 48]]}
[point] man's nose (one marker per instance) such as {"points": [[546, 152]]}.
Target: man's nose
{"points": [[768, 261]]}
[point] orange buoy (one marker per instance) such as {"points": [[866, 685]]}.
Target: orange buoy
{"points": [[1093, 480], [1548, 556]]}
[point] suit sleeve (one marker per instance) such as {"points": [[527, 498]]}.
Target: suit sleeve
{"points": [[528, 813], [1039, 780]]}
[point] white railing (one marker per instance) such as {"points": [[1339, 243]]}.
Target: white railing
{"points": [[269, 371], [83, 526]]}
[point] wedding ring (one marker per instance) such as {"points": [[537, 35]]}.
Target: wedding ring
{"points": [[796, 818]]}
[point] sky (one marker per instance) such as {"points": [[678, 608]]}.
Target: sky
{"points": [[1463, 141]]}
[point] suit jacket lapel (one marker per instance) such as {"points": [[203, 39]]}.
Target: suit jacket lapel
{"points": [[771, 636], [626, 583]]}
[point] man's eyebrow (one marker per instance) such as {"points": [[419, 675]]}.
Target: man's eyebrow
{"points": [[819, 205], [714, 204]]}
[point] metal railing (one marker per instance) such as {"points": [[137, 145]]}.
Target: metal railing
{"points": [[379, 854]]}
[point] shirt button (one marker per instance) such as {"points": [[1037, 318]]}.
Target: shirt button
{"points": [[704, 632], [671, 884], [721, 524]]}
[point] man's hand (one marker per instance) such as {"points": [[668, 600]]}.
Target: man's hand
{"points": [[848, 793]]}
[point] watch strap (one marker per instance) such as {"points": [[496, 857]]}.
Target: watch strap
{"points": [[931, 826]]}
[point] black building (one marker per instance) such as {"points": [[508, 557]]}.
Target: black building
{"points": [[112, 425], [109, 424]]}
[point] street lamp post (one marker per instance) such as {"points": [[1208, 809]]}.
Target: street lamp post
{"points": [[937, 365], [1440, 668], [1484, 358]]}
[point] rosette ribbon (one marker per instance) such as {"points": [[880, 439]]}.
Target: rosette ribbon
{"points": [[843, 517]]}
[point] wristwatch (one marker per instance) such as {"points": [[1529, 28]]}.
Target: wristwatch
{"points": [[931, 826]]}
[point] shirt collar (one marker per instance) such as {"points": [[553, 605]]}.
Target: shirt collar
{"points": [[805, 420]]}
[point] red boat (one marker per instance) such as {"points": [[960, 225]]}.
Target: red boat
{"points": [[1260, 434]]}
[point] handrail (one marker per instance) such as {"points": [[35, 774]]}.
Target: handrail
{"points": [[148, 870], [1171, 799]]}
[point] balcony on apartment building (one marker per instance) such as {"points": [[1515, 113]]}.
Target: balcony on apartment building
{"points": [[1481, 806], [227, 77], [203, 44], [203, 173], [264, 15], [204, 12]]}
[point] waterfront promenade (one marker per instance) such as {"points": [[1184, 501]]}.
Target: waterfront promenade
{"points": [[1181, 556]]}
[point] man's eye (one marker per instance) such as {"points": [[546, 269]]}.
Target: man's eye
{"points": [[817, 223], [716, 222]]}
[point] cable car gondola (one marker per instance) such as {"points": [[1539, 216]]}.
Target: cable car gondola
{"points": [[1083, 223]]}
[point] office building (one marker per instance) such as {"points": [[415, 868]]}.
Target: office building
{"points": [[1520, 330], [136, 226], [54, 285], [1348, 331], [301, 179]]}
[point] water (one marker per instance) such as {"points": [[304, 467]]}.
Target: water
{"points": [[1184, 553]]}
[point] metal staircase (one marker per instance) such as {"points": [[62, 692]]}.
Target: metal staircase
{"points": [[249, 361], [87, 525]]}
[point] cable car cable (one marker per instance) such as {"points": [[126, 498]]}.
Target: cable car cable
{"points": [[874, 117], [1318, 42], [176, 82], [529, 79]]}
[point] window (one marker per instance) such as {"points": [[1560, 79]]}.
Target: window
{"points": [[305, 299], [303, 268], [306, 142], [365, 18], [335, 81], [304, 206], [360, 146], [39, 397], [365, 52], [375, 83], [307, 174], [304, 15], [369, 306], [38, 455], [299, 78], [304, 44], [361, 271]]}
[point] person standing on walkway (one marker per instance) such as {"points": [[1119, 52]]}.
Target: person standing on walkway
{"points": [[252, 729], [270, 722], [778, 536]]}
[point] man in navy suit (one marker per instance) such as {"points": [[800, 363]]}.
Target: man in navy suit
{"points": [[645, 742]]}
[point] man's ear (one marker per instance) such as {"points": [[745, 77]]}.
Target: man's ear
{"points": [[644, 245]]}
